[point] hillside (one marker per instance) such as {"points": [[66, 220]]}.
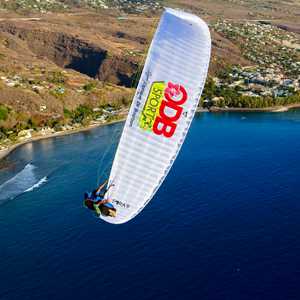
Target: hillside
{"points": [[64, 63]]}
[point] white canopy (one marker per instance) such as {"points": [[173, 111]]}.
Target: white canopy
{"points": [[161, 112]]}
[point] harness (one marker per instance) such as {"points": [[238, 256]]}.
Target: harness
{"points": [[95, 198]]}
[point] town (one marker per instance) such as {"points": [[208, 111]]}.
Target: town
{"points": [[272, 76], [129, 6]]}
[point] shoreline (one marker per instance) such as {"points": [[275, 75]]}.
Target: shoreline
{"points": [[281, 108], [5, 152], [10, 149]]}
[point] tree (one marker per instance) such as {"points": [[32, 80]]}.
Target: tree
{"points": [[3, 112]]}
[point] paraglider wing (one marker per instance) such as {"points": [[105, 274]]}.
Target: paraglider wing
{"points": [[161, 112]]}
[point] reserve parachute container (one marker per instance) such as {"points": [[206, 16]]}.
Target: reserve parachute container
{"points": [[161, 113]]}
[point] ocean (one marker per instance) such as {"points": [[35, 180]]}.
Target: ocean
{"points": [[224, 225]]}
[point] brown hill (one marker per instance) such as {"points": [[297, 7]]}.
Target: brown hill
{"points": [[53, 61]]}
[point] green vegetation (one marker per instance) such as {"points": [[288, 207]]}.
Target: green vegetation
{"points": [[56, 124], [221, 96], [11, 133], [56, 77], [232, 99], [44, 117], [81, 113], [89, 86], [67, 113], [31, 124], [209, 90], [58, 92], [3, 112]]}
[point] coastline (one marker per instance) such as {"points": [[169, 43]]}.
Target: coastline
{"points": [[10, 149], [281, 108]]}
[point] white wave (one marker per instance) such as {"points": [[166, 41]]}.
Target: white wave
{"points": [[24, 181], [38, 184]]}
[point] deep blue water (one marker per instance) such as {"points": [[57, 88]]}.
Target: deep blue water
{"points": [[224, 225]]}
